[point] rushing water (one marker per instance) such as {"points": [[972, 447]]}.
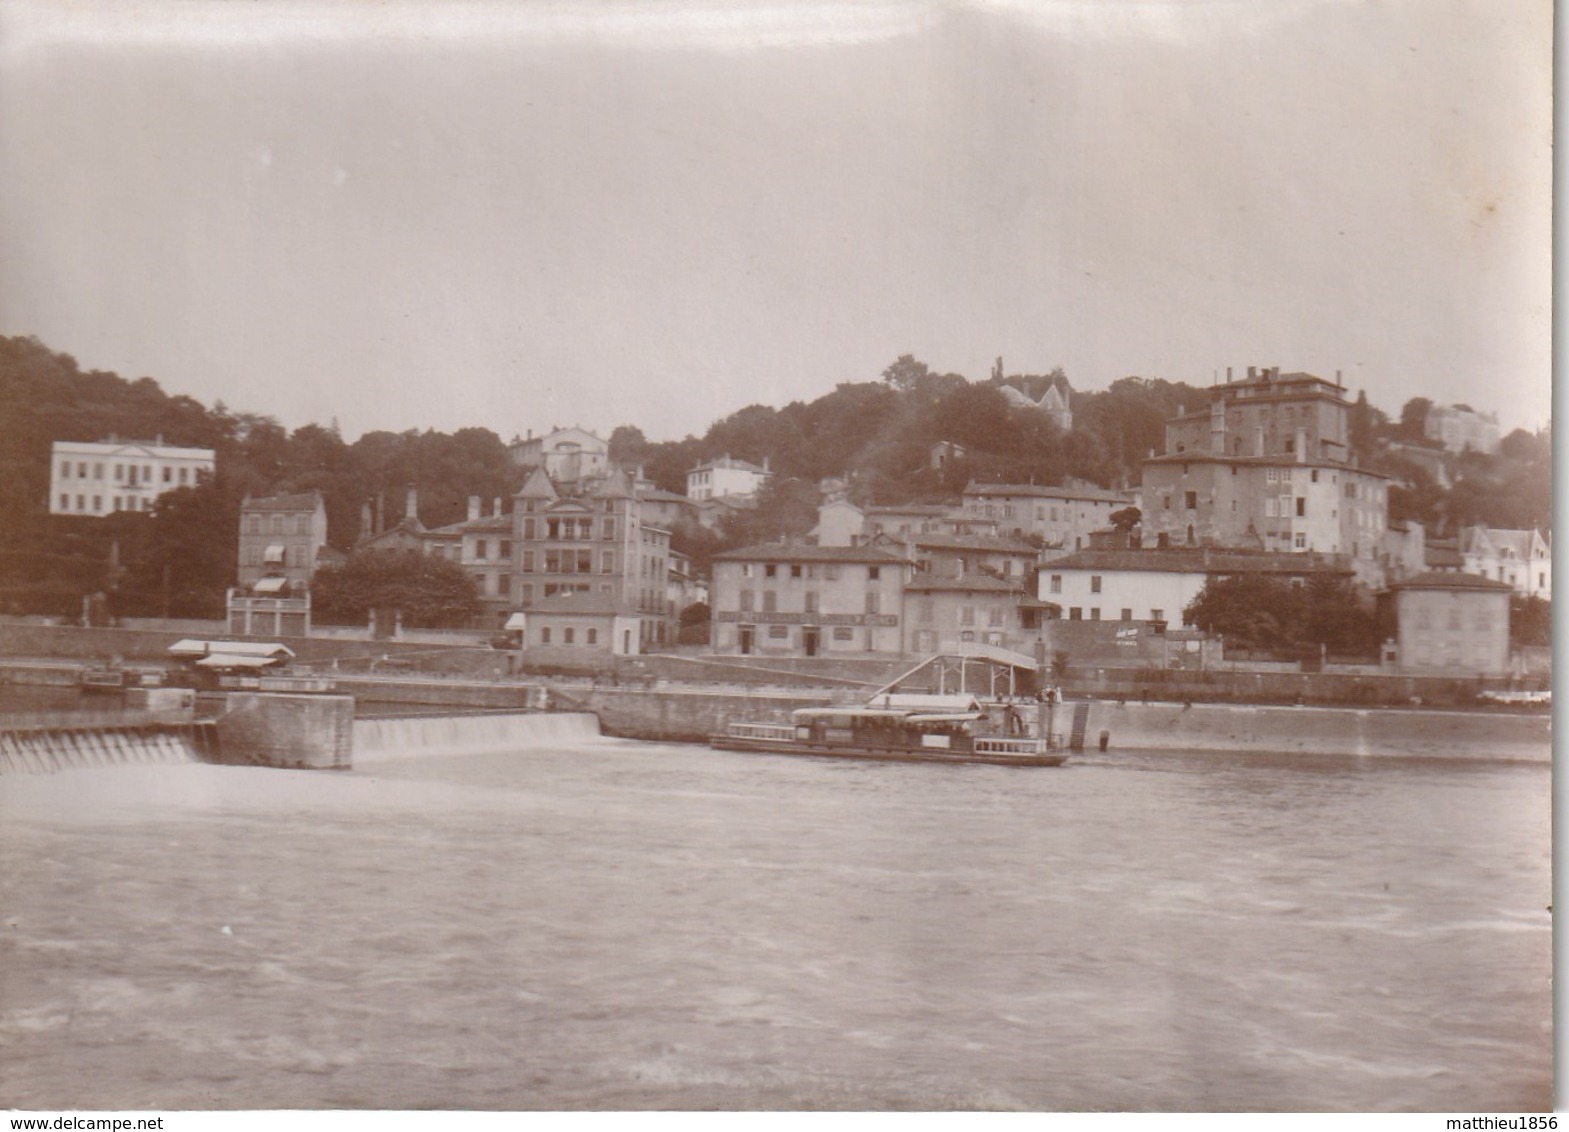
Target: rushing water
{"points": [[613, 925]]}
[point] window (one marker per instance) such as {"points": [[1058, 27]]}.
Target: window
{"points": [[567, 635], [1095, 583], [528, 528], [1056, 583], [872, 602], [1314, 475], [924, 611], [610, 527], [481, 549], [544, 634], [1272, 475], [873, 573], [770, 601], [1190, 500], [1127, 615], [1299, 540], [770, 570], [811, 601], [65, 470], [184, 474], [795, 569], [1095, 613], [831, 571], [504, 550], [81, 471], [591, 636], [81, 502], [1301, 505], [277, 524], [1075, 614], [98, 503], [746, 601], [994, 616], [746, 569], [168, 473]]}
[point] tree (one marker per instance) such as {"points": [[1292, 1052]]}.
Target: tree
{"points": [[905, 373], [1126, 519], [1413, 419], [430, 592], [1250, 610], [1530, 621]]}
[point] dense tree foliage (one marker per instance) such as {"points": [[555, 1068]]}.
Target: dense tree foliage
{"points": [[1256, 611], [874, 436], [430, 592]]}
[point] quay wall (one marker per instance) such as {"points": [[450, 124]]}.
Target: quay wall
{"points": [[97, 643], [1408, 732], [678, 717], [672, 716]]}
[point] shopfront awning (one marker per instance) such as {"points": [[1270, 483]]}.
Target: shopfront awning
{"points": [[516, 623], [274, 555], [270, 585], [232, 660]]}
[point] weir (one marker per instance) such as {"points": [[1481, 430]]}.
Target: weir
{"points": [[380, 740], [46, 751]]}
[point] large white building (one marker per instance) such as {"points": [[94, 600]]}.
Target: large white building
{"points": [[716, 479], [1460, 428], [1521, 559], [569, 456], [100, 478]]}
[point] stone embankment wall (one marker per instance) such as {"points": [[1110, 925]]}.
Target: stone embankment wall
{"points": [[1322, 730], [71, 641], [678, 717], [693, 716]]}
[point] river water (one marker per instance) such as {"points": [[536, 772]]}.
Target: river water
{"points": [[612, 925]]}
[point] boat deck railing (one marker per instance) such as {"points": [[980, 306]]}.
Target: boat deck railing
{"points": [[762, 731], [1000, 745]]}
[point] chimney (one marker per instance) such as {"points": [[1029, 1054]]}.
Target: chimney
{"points": [[1228, 375], [411, 505], [473, 507], [1252, 372], [1338, 383]]}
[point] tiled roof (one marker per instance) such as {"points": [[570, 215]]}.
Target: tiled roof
{"points": [[1200, 560], [306, 501], [1434, 581], [973, 542], [1279, 460], [599, 604], [1097, 494], [800, 552], [970, 583]]}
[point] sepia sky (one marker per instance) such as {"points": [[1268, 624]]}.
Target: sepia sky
{"points": [[521, 215]]}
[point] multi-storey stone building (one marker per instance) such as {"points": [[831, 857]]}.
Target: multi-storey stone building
{"points": [[282, 538], [1062, 518], [1460, 428], [88, 478], [785, 599], [597, 542], [1267, 466]]}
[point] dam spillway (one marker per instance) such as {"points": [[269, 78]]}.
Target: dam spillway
{"points": [[394, 737]]}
